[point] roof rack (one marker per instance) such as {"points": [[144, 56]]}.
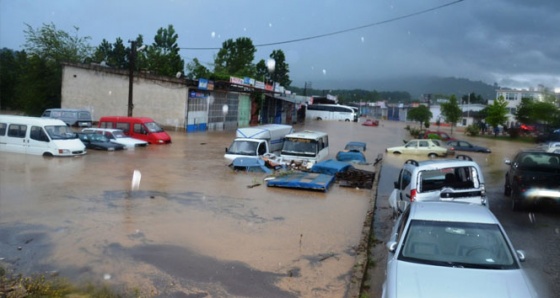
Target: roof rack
{"points": [[411, 161], [464, 157]]}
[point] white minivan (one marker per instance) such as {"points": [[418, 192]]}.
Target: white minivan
{"points": [[307, 146], [38, 136]]}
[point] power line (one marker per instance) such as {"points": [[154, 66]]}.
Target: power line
{"points": [[345, 30]]}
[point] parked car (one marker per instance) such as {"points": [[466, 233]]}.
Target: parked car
{"points": [[352, 156], [437, 135], [440, 249], [466, 146], [553, 147], [357, 146], [459, 179], [99, 142], [371, 122], [424, 147], [533, 177], [117, 136], [72, 117]]}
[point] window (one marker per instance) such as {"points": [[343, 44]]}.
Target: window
{"points": [[125, 127], [2, 129], [38, 134], [17, 130], [424, 144]]}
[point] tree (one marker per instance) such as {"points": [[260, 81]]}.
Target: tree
{"points": [[11, 69], [163, 56], [497, 112], [41, 80], [421, 114], [281, 71], [235, 58], [451, 112], [196, 70]]}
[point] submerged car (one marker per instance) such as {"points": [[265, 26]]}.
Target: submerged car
{"points": [[466, 146], [424, 147], [533, 177], [371, 122], [117, 136], [451, 180], [99, 142], [442, 249], [355, 146]]}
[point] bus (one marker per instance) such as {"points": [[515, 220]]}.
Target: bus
{"points": [[331, 112]]}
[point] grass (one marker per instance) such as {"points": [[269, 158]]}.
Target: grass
{"points": [[45, 285]]}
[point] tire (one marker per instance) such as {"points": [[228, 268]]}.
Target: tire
{"points": [[507, 188], [396, 153], [432, 155], [347, 120], [48, 155], [319, 118], [516, 204]]}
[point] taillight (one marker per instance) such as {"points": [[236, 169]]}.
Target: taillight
{"points": [[413, 195]]}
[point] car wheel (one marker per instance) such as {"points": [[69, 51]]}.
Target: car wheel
{"points": [[396, 153], [516, 203], [432, 155], [507, 188]]}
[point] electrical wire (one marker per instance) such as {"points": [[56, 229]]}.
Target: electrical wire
{"points": [[345, 30]]}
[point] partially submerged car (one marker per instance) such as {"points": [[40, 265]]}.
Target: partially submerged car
{"points": [[371, 122], [441, 249], [117, 136], [533, 177], [99, 142], [466, 146], [452, 180], [425, 147], [355, 145]]}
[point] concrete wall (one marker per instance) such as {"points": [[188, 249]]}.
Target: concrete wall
{"points": [[104, 92]]}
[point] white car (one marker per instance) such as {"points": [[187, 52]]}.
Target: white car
{"points": [[117, 136], [442, 249], [426, 147], [452, 180], [553, 147]]}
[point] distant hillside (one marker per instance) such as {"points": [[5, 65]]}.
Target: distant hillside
{"points": [[416, 86]]}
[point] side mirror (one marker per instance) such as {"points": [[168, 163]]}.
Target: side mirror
{"points": [[392, 246], [520, 255], [396, 184]]}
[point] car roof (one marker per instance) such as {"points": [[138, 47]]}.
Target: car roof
{"points": [[451, 211], [101, 129], [443, 163]]}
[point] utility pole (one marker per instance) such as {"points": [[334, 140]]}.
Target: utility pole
{"points": [[131, 60]]}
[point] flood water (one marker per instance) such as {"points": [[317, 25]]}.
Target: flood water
{"points": [[193, 228]]}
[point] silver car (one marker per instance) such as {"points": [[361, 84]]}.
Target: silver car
{"points": [[453, 249]]}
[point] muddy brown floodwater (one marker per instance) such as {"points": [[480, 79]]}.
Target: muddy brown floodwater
{"points": [[192, 229]]}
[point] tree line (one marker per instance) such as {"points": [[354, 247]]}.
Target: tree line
{"points": [[31, 79]]}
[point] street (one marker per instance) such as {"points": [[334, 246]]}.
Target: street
{"points": [[193, 227]]}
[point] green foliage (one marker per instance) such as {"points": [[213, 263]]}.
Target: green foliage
{"points": [[427, 124], [235, 58], [414, 132], [451, 112], [11, 69], [163, 56], [281, 71], [497, 112], [196, 70], [421, 114], [472, 130], [56, 45]]}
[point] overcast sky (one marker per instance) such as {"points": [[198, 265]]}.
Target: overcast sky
{"points": [[330, 43]]}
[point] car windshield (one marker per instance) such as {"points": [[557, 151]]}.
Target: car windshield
{"points": [[304, 147], [60, 132], [153, 127], [539, 161], [457, 244], [119, 134], [243, 148]]}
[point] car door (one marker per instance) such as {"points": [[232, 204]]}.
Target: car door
{"points": [[424, 147], [411, 147], [403, 189]]}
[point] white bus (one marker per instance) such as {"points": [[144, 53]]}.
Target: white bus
{"points": [[38, 136], [331, 112], [309, 146]]}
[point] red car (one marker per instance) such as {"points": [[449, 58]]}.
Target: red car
{"points": [[527, 128], [371, 122]]}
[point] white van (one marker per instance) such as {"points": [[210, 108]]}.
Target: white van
{"points": [[306, 146], [258, 141], [38, 136], [72, 117]]}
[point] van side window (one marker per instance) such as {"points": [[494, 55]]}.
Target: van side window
{"points": [[125, 127], [2, 129], [17, 130], [37, 133], [139, 128]]}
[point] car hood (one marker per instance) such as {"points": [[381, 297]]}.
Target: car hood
{"points": [[418, 280]]}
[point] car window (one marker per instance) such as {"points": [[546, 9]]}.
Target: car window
{"points": [[411, 144], [466, 244], [406, 178], [424, 144], [458, 178]]}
